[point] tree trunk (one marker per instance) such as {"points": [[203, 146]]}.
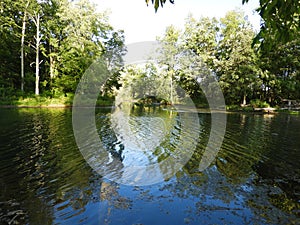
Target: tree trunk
{"points": [[171, 89], [51, 66], [22, 46], [244, 100], [37, 60]]}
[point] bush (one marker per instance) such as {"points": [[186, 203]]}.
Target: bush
{"points": [[257, 103]]}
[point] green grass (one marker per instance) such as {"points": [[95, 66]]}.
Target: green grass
{"points": [[237, 108], [291, 112], [47, 101]]}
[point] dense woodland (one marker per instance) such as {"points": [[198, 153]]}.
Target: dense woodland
{"points": [[46, 46]]}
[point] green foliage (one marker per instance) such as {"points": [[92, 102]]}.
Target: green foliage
{"points": [[210, 47], [138, 83], [281, 67], [257, 103], [73, 34], [280, 18], [156, 3], [238, 108], [224, 48], [237, 63], [48, 99]]}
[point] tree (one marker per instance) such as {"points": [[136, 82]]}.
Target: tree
{"points": [[280, 18], [114, 50], [36, 19], [83, 33], [208, 47], [202, 36], [169, 51], [10, 46], [281, 66], [200, 41], [57, 40], [53, 28], [158, 2], [237, 68], [22, 44]]}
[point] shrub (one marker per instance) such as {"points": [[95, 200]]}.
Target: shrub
{"points": [[257, 103]]}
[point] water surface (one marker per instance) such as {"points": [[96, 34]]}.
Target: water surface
{"points": [[44, 179]]}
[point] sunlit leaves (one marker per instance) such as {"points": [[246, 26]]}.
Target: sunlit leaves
{"points": [[280, 18], [158, 3], [73, 34], [237, 67]]}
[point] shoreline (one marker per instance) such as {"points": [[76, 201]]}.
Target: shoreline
{"points": [[270, 111], [58, 106]]}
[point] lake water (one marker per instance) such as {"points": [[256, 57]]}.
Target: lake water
{"points": [[44, 179]]}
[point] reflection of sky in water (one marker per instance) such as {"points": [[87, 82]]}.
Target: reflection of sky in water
{"points": [[177, 201], [45, 180], [141, 136]]}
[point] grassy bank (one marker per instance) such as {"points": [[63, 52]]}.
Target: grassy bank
{"points": [[102, 101], [48, 101]]}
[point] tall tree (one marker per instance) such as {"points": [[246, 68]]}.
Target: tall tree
{"points": [[84, 31], [22, 43], [66, 36], [114, 50], [53, 28], [281, 66], [236, 65], [36, 19], [10, 23], [169, 51], [207, 48], [202, 36]]}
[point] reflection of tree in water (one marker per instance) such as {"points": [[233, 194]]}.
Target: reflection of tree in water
{"points": [[191, 182], [142, 130], [43, 169], [109, 140], [27, 175], [246, 141], [281, 168], [232, 180], [170, 145], [109, 192]]}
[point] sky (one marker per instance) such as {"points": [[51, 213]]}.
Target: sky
{"points": [[141, 23]]}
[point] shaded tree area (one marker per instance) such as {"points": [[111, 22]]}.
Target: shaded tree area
{"points": [[259, 67], [280, 18], [222, 48], [47, 45]]}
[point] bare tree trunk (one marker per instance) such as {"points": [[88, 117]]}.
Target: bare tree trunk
{"points": [[22, 46], [51, 69], [37, 60], [171, 89], [244, 100], [22, 51], [51, 66]]}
